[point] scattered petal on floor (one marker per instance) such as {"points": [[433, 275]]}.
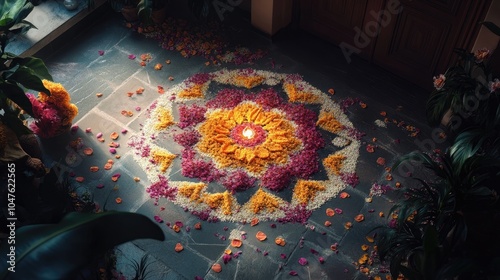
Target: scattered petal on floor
{"points": [[79, 179], [280, 241], [344, 195], [261, 236], [359, 218], [178, 247], [381, 161], [118, 200], [88, 151], [303, 261], [216, 267], [236, 243], [330, 212], [370, 148]]}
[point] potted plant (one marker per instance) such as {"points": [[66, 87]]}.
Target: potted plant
{"points": [[467, 94], [434, 234], [152, 11], [16, 75], [60, 251]]}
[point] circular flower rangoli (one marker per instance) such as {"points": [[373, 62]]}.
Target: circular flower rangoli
{"points": [[235, 145]]}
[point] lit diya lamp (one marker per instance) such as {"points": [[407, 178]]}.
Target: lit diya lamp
{"points": [[248, 133]]}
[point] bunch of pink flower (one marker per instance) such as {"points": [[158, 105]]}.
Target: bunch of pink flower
{"points": [[53, 113]]}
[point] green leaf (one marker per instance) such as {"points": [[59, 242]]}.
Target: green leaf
{"points": [[492, 27], [13, 11], [17, 95], [26, 76], [58, 251], [36, 65]]}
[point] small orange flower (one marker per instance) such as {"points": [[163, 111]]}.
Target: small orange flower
{"points": [[481, 54], [439, 81]]}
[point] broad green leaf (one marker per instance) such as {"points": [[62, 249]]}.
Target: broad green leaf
{"points": [[58, 251], [17, 95], [26, 77], [37, 65]]}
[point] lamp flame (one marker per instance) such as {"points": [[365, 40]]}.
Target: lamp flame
{"points": [[248, 133]]}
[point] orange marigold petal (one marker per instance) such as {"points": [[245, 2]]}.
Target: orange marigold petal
{"points": [[261, 236], [236, 243], [344, 195], [216, 267], [280, 241], [330, 212], [359, 218], [178, 247]]}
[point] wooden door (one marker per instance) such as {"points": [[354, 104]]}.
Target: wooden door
{"points": [[337, 20], [418, 42], [415, 42]]}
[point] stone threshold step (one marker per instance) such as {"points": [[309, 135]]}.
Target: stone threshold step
{"points": [[52, 20]]}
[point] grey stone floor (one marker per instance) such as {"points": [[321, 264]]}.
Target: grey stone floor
{"points": [[83, 72]]}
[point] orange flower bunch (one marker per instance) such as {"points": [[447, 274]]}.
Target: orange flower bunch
{"points": [[305, 191], [222, 200], [328, 122], [248, 81], [60, 99], [296, 95], [164, 118], [192, 190], [195, 91], [163, 158], [263, 201], [53, 113], [333, 163]]}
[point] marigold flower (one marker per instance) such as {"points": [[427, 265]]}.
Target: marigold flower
{"points": [[482, 54], [439, 81]]}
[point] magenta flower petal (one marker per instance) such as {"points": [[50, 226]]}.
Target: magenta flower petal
{"points": [[226, 258], [101, 53], [303, 261], [131, 56], [293, 273]]}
